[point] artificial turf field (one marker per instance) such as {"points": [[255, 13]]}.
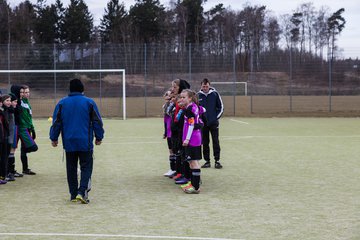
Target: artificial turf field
{"points": [[283, 178]]}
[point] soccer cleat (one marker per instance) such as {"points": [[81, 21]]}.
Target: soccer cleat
{"points": [[73, 200], [206, 165], [82, 199], [16, 174], [182, 180], [169, 173], [177, 176], [192, 190], [28, 172], [218, 165], [3, 181], [186, 185], [10, 177]]}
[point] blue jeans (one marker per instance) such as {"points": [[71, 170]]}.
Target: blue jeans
{"points": [[86, 167]]}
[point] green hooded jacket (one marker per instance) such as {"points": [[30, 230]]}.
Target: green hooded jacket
{"points": [[25, 117]]}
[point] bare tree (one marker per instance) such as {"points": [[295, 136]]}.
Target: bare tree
{"points": [[320, 31], [308, 18]]}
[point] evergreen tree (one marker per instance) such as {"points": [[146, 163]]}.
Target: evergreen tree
{"points": [[336, 24], [195, 20], [78, 22], [147, 18], [114, 24], [5, 19], [22, 24], [45, 24]]}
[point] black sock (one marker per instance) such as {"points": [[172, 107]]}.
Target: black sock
{"points": [[24, 160], [195, 178], [172, 159], [11, 163], [187, 170], [179, 168]]}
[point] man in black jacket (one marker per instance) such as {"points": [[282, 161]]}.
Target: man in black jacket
{"points": [[210, 99]]}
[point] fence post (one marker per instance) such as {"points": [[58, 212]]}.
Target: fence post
{"points": [[290, 77], [190, 62], [100, 75], [145, 77], [8, 60], [235, 80], [330, 80], [55, 80]]}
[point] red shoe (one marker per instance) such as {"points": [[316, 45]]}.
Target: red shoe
{"points": [[177, 176]]}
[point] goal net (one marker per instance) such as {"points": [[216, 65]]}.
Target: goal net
{"points": [[106, 86]]}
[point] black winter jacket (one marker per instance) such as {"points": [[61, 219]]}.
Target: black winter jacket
{"points": [[213, 104]]}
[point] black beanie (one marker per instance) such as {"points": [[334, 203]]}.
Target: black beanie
{"points": [[15, 89], [13, 97], [76, 86]]}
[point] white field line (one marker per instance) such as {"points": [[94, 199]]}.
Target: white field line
{"points": [[279, 136], [111, 236], [113, 143], [238, 121], [222, 138]]}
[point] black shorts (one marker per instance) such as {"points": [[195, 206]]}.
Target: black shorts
{"points": [[193, 153]]}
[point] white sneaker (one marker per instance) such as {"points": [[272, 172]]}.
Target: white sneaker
{"points": [[169, 173]]}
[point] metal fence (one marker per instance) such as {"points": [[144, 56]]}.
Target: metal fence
{"points": [[277, 83]]}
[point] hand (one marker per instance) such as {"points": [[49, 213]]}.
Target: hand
{"points": [[54, 143], [33, 134], [97, 142], [185, 143]]}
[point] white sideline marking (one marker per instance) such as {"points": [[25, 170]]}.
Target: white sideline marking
{"points": [[234, 120], [279, 136], [112, 143], [130, 143], [111, 236]]}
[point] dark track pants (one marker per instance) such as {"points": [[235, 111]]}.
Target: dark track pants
{"points": [[214, 131], [86, 167]]}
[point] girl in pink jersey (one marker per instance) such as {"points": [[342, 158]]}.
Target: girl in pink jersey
{"points": [[192, 139], [167, 133]]}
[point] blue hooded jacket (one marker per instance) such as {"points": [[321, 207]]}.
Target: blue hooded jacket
{"points": [[77, 118]]}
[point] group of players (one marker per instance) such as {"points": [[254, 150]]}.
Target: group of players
{"points": [[15, 123], [188, 119]]}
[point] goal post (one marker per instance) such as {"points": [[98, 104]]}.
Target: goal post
{"points": [[54, 71], [234, 84]]}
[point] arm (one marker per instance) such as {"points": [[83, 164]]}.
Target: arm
{"points": [[56, 126], [191, 121], [97, 124], [219, 106]]}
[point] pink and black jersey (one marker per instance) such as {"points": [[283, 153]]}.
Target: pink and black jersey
{"points": [[191, 119]]}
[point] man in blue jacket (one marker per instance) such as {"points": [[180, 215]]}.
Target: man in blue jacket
{"points": [[210, 99], [77, 118]]}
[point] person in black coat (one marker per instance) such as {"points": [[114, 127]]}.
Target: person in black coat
{"points": [[210, 99]]}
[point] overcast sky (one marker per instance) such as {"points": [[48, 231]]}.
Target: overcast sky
{"points": [[349, 40]]}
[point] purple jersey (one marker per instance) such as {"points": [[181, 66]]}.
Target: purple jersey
{"points": [[167, 121], [190, 119]]}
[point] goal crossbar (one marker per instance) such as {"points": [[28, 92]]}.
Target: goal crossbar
{"points": [[232, 83], [79, 71]]}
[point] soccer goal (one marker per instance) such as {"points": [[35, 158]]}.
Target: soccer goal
{"points": [[26, 74], [229, 88]]}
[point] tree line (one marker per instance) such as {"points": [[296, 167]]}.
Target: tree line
{"points": [[253, 31]]}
